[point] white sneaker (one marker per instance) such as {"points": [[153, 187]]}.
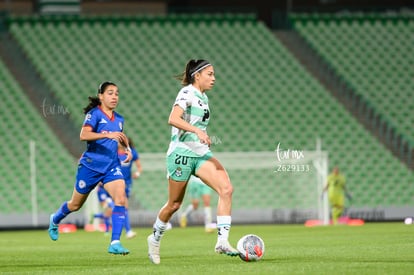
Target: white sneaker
{"points": [[131, 234], [153, 250], [224, 247]]}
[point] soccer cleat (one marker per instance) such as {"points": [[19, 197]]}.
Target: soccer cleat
{"points": [[210, 227], [223, 247], [209, 230], [117, 249], [183, 221], [131, 234], [153, 250], [53, 229]]}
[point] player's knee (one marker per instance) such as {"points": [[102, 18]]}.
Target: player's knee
{"points": [[74, 206], [119, 198], [226, 190], [174, 207], [120, 201]]}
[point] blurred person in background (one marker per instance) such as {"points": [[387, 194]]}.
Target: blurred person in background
{"points": [[105, 199], [198, 190], [107, 204], [337, 191], [129, 175]]}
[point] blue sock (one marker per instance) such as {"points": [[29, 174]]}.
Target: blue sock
{"points": [[62, 212], [127, 225], [118, 220], [107, 224], [99, 216]]}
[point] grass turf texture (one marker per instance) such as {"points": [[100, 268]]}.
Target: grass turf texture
{"points": [[375, 248]]}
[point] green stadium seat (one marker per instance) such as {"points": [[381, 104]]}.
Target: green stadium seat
{"points": [[262, 92]]}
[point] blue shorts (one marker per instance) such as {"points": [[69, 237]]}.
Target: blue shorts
{"points": [[87, 179], [128, 187], [103, 195]]}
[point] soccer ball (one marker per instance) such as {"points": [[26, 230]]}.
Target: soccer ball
{"points": [[251, 248]]}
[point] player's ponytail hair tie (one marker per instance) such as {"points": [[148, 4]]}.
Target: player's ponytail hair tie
{"points": [[199, 67]]}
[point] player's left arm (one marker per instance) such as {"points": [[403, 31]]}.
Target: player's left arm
{"points": [[139, 169], [124, 142]]}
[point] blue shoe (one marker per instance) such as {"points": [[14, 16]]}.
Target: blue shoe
{"points": [[53, 229], [117, 249]]}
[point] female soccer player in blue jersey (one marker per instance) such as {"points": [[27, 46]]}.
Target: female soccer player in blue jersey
{"points": [[102, 130], [189, 154]]}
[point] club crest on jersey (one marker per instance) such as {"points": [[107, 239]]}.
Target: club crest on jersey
{"points": [[178, 172]]}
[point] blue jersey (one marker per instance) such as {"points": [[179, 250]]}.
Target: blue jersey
{"points": [[127, 167], [102, 154]]}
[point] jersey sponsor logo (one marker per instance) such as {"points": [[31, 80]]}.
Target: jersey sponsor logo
{"points": [[82, 184], [103, 121], [88, 117], [206, 115], [120, 125]]}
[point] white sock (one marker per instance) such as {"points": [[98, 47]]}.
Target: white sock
{"points": [[223, 227], [115, 241], [207, 216], [188, 210], [159, 229]]}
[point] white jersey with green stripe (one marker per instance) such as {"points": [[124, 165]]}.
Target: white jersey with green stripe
{"points": [[196, 112]]}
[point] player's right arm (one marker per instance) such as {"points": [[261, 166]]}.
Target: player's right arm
{"points": [[87, 134]]}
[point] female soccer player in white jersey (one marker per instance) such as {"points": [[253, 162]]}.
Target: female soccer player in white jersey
{"points": [[102, 130], [189, 154]]}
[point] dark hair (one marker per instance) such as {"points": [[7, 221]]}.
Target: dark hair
{"points": [[131, 143], [94, 100], [193, 66]]}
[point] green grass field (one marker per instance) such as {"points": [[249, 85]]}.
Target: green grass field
{"points": [[375, 248]]}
